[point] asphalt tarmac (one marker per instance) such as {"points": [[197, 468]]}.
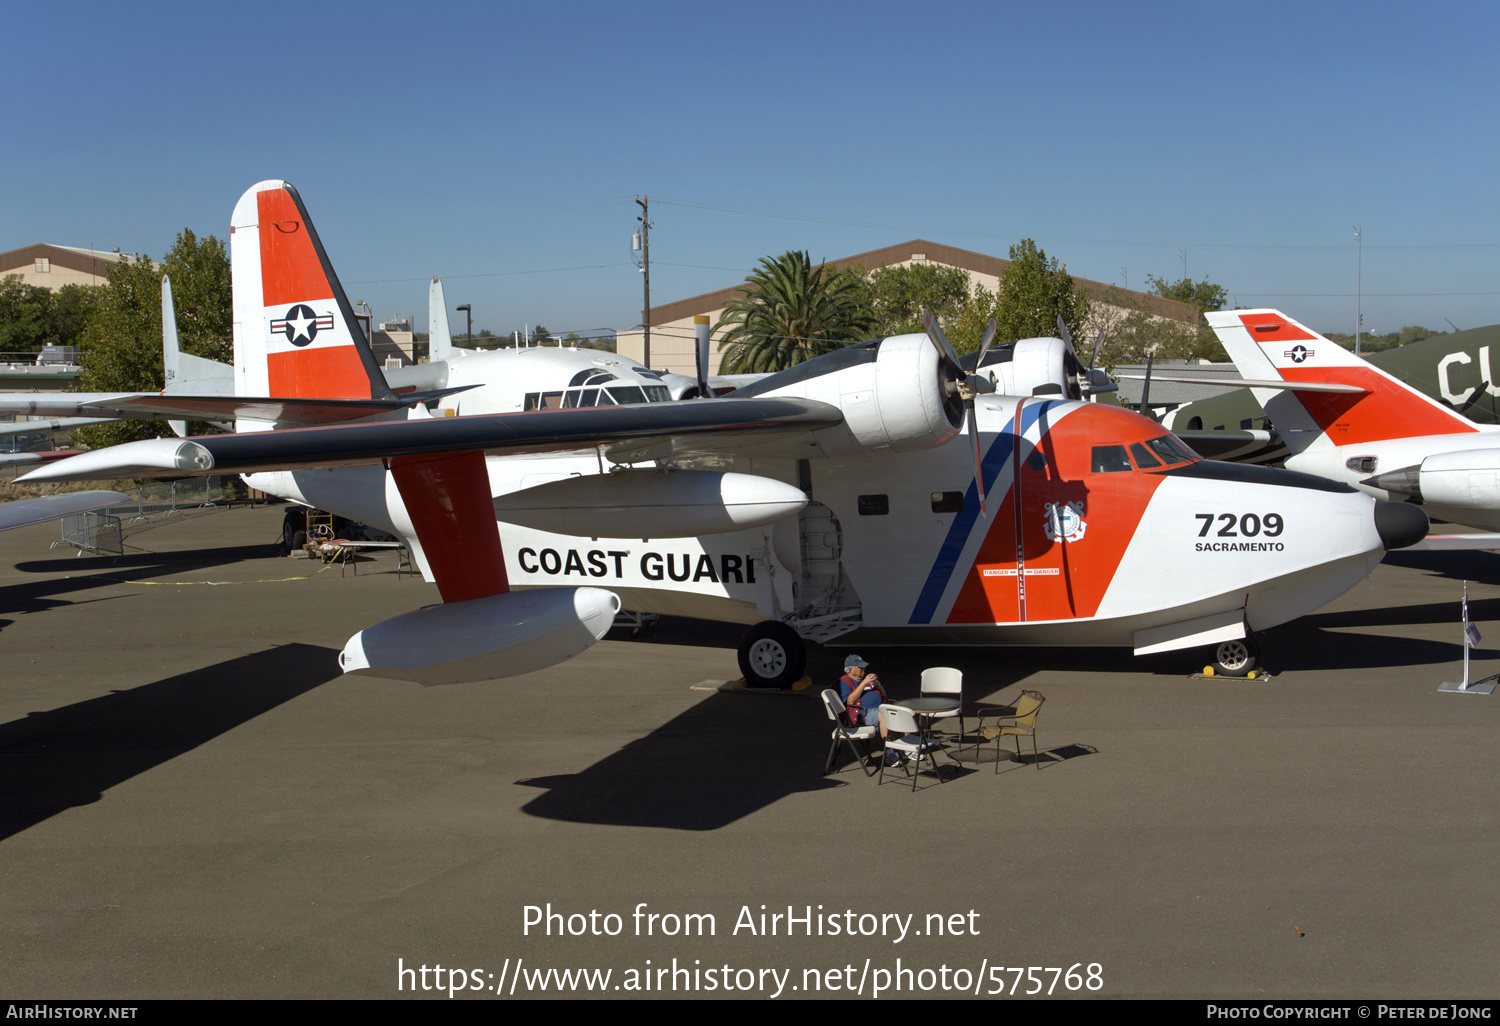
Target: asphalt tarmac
{"points": [[195, 803]]}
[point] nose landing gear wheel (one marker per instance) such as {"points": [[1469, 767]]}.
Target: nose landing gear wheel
{"points": [[772, 656], [1236, 658]]}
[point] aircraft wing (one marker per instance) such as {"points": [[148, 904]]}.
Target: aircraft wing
{"points": [[623, 434], [162, 406], [24, 512]]}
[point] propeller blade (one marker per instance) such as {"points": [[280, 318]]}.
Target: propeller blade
{"points": [[1067, 336], [984, 343], [944, 347], [1098, 345], [700, 351], [978, 459], [1145, 406], [977, 382]]}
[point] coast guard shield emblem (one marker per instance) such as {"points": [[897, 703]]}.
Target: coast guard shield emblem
{"points": [[1065, 521]]}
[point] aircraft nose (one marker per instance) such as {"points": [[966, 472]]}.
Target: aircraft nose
{"points": [[1399, 524]]}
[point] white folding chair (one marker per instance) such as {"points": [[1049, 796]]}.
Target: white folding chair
{"points": [[945, 680], [901, 723], [834, 706]]}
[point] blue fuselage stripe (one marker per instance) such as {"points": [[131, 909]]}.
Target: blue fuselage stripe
{"points": [[963, 523]]}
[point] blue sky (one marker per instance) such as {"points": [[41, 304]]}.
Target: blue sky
{"points": [[501, 145]]}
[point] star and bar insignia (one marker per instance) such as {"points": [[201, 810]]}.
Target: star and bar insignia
{"points": [[301, 324]]}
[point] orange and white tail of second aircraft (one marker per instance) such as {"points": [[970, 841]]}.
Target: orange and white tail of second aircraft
{"points": [[1268, 344], [295, 335]]}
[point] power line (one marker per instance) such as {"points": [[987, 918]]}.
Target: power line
{"points": [[969, 233], [1351, 295], [557, 208], [489, 274]]}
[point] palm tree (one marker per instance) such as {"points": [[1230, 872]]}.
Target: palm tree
{"points": [[791, 311]]}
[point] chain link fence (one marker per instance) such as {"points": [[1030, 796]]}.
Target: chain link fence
{"points": [[103, 532]]}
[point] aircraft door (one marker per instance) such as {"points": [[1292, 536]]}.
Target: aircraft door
{"points": [[1051, 525]]}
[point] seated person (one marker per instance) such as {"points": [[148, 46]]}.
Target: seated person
{"points": [[862, 694]]}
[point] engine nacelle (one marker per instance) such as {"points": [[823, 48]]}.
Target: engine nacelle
{"points": [[484, 638], [896, 395], [651, 504], [1467, 479], [1033, 366]]}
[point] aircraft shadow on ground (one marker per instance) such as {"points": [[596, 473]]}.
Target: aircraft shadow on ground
{"points": [[70, 756], [725, 758], [103, 572], [734, 754], [1320, 641], [1478, 567]]}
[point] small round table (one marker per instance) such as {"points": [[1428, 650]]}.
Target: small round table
{"points": [[929, 707]]}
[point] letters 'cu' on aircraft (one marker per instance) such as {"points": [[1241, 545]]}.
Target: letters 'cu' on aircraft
{"points": [[875, 497]]}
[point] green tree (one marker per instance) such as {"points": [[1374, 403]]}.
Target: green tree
{"points": [[122, 343], [790, 311], [1205, 295], [1133, 331], [202, 293], [1032, 292], [32, 316], [898, 295], [604, 343]]}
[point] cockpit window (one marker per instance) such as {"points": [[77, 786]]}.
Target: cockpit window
{"points": [[580, 377], [1170, 449], [627, 394], [1109, 459], [658, 394], [1144, 459]]}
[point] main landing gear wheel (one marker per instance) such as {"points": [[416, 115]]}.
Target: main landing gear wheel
{"points": [[1236, 658], [772, 656]]}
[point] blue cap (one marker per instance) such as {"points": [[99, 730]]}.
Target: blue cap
{"points": [[854, 660]]}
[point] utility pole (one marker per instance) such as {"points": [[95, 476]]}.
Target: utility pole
{"points": [[641, 201], [1359, 290], [469, 332], [1183, 253]]}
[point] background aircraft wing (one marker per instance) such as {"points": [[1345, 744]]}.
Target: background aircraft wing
{"points": [[623, 434], [1456, 543], [23, 512]]}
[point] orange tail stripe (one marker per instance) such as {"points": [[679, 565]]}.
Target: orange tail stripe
{"points": [[289, 266]]}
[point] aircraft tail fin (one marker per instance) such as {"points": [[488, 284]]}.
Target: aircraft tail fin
{"points": [[440, 338], [295, 336], [1268, 344]]}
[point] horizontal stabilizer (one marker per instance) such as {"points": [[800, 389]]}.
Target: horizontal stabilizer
{"points": [[1240, 446], [1289, 386]]}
